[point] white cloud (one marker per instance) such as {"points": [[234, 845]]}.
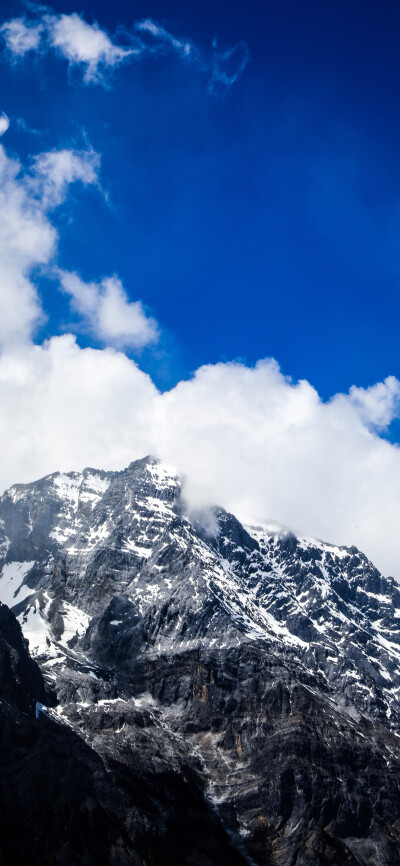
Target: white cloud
{"points": [[56, 170], [62, 405], [80, 43], [22, 36], [84, 44], [4, 123], [27, 238], [89, 47], [379, 404], [269, 449], [165, 41], [111, 317], [247, 438]]}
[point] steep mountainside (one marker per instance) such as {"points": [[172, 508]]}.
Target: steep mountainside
{"points": [[63, 803], [263, 666]]}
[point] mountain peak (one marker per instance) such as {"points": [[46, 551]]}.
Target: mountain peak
{"points": [[130, 604], [157, 468]]}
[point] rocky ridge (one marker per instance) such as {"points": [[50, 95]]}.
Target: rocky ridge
{"points": [[271, 662]]}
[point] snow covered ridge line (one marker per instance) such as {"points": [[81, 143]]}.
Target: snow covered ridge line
{"points": [[120, 549], [95, 480], [89, 484]]}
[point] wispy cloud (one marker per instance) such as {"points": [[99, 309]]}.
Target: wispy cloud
{"points": [[90, 48], [227, 67], [109, 315], [22, 125], [85, 45], [56, 170], [164, 41], [22, 36]]}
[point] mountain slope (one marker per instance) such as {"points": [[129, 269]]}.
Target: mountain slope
{"points": [[62, 802], [271, 660]]}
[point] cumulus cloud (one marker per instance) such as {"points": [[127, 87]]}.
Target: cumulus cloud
{"points": [[262, 446], [88, 392], [90, 47], [4, 123], [27, 238], [110, 316], [28, 241], [378, 405]]}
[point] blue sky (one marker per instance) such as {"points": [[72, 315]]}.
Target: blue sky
{"points": [[187, 190], [259, 223]]}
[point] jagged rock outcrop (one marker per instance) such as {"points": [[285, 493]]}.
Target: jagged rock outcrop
{"points": [[261, 666]]}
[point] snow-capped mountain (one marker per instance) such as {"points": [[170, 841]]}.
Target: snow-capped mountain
{"points": [[273, 660]]}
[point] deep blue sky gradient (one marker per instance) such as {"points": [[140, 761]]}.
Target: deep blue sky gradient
{"points": [[264, 223]]}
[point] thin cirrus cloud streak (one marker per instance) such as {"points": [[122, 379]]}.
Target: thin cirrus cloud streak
{"points": [[89, 47], [248, 438], [227, 67], [165, 41]]}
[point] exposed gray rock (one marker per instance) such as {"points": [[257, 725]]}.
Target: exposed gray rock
{"points": [[268, 663], [137, 800]]}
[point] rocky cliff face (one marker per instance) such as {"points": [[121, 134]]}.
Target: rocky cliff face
{"points": [[261, 670]]}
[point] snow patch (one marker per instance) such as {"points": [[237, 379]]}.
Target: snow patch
{"points": [[142, 552], [67, 487], [162, 473], [12, 577], [75, 622], [36, 630]]}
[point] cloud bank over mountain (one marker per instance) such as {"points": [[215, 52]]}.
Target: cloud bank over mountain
{"points": [[246, 437]]}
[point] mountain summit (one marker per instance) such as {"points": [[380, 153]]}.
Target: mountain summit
{"points": [[266, 663]]}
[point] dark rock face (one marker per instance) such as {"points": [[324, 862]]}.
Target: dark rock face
{"points": [[21, 683], [234, 692], [141, 801]]}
